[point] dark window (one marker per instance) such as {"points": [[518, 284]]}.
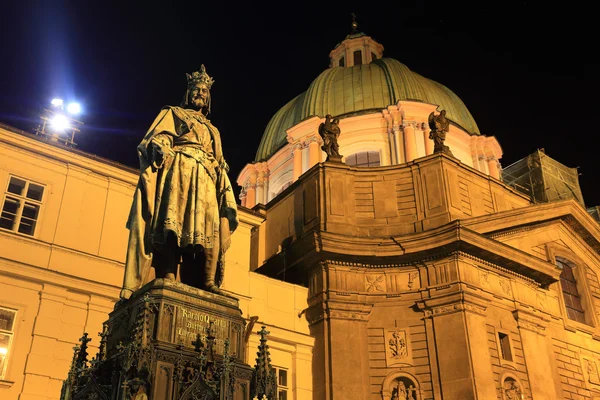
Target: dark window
{"points": [[21, 206], [373, 56], [364, 159], [505, 350], [282, 384], [572, 298], [357, 57], [341, 62]]}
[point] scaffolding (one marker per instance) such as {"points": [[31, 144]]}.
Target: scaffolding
{"points": [[543, 179]]}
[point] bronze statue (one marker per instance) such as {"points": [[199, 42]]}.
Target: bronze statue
{"points": [[183, 210], [439, 126], [330, 132]]}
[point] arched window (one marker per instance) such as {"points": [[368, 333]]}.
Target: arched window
{"points": [[281, 189], [357, 57], [364, 159], [568, 284]]}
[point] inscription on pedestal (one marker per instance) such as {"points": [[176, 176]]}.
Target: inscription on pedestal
{"points": [[190, 323]]}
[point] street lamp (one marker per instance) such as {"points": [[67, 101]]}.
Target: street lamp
{"points": [[58, 125]]}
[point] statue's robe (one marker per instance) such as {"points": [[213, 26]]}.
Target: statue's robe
{"points": [[184, 193]]}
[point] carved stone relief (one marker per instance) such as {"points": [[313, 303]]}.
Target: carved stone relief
{"points": [[412, 277], [590, 370], [542, 301], [397, 347], [505, 285], [375, 283], [484, 278]]}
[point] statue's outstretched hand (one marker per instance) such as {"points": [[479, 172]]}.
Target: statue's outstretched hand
{"points": [[160, 151]]}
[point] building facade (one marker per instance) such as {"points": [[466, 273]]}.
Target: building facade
{"points": [[401, 274], [62, 252]]}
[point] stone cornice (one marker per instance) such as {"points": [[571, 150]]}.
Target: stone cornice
{"points": [[63, 154], [349, 311], [521, 219], [463, 301], [534, 322], [437, 243]]}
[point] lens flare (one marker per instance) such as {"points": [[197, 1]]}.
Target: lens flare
{"points": [[59, 123]]}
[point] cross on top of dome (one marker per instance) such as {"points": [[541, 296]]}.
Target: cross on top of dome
{"points": [[354, 24]]}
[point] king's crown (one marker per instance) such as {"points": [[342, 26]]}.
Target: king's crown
{"points": [[200, 77]]}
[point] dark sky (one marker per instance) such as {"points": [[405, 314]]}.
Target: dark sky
{"points": [[526, 71]]}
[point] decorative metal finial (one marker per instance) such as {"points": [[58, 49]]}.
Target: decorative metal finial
{"points": [[354, 23]]}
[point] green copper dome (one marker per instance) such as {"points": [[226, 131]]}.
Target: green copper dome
{"points": [[373, 86]]}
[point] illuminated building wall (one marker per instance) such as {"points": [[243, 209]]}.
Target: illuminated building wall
{"points": [[62, 251]]}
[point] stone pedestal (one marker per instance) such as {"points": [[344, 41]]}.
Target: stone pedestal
{"points": [[168, 341], [178, 314], [334, 159]]}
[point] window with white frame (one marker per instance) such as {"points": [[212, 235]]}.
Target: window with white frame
{"points": [[282, 384], [7, 325], [21, 205]]}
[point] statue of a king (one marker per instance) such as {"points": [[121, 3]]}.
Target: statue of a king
{"points": [[184, 209]]}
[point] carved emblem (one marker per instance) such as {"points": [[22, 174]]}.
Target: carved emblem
{"points": [[591, 367], [396, 347], [397, 344], [375, 283], [484, 278], [541, 300], [505, 285], [412, 277]]}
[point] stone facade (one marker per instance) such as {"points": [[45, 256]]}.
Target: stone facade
{"points": [[433, 280]]}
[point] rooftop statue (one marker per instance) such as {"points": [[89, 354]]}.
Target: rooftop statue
{"points": [[439, 126], [330, 132], [184, 209]]}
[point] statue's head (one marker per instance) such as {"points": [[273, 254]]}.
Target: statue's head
{"points": [[197, 95]]}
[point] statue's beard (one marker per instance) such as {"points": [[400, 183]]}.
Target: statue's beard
{"points": [[197, 103]]}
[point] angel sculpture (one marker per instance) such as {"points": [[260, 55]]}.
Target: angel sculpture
{"points": [[330, 132], [439, 126]]}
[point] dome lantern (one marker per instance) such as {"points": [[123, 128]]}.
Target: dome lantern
{"points": [[356, 49]]}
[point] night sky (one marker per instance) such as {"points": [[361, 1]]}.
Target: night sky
{"points": [[526, 71]]}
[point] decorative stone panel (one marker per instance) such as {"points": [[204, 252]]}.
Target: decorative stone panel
{"points": [[397, 347]]}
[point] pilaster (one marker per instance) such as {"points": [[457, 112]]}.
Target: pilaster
{"points": [[537, 351], [410, 143], [314, 151], [461, 348], [297, 152], [429, 145]]}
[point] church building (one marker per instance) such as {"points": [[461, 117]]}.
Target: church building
{"points": [[400, 273]]}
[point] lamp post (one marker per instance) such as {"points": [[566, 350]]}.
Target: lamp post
{"points": [[59, 125]]}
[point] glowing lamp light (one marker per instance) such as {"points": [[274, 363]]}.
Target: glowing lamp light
{"points": [[57, 102], [59, 123], [3, 351], [74, 108]]}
